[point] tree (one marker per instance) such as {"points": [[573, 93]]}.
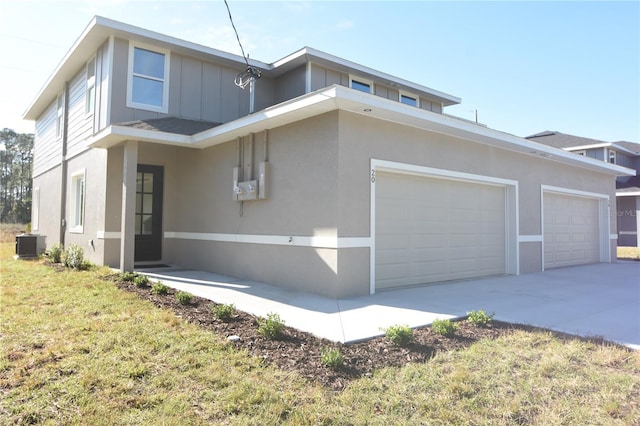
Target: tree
{"points": [[16, 161]]}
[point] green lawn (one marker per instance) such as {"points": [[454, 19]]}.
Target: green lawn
{"points": [[75, 349]]}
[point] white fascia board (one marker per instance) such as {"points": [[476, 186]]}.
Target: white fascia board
{"points": [[628, 194], [114, 134]]}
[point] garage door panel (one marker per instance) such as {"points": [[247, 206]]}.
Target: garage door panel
{"points": [[571, 230], [453, 230]]}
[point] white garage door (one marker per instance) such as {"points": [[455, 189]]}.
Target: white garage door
{"points": [[430, 230], [571, 230]]}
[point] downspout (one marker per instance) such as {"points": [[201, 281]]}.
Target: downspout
{"points": [[63, 178]]}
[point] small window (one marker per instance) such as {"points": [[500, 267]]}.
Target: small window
{"points": [[612, 156], [361, 85], [35, 206], [77, 201], [90, 97], [148, 81], [409, 99], [59, 115]]}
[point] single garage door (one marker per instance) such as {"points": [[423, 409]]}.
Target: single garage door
{"points": [[431, 230], [571, 230]]}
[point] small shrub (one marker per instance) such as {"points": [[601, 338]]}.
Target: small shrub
{"points": [[479, 318], [332, 358], [160, 288], [128, 276], [400, 335], [184, 298], [445, 327], [73, 257], [55, 253], [141, 280], [223, 312], [271, 327]]}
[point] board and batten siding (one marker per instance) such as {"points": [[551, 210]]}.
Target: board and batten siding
{"points": [[47, 150], [80, 125]]}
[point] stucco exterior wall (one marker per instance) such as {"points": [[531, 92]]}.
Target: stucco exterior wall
{"points": [[49, 220], [363, 139], [94, 164]]}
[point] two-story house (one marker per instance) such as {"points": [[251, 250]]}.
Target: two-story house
{"points": [[324, 175], [626, 154]]}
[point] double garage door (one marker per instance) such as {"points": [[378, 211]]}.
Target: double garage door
{"points": [[432, 230]]}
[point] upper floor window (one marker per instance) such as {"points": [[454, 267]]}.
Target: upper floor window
{"points": [[408, 99], [59, 115], [362, 85], [148, 80], [90, 98], [612, 156]]}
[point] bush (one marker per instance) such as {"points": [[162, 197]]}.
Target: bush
{"points": [[184, 298], [128, 276], [160, 288], [270, 327], [444, 327], [73, 257], [55, 253], [223, 312], [400, 335], [479, 318], [332, 358], [141, 280]]}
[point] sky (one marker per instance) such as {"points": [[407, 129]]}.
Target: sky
{"points": [[525, 67]]}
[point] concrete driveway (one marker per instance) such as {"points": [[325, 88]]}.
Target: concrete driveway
{"points": [[593, 300]]}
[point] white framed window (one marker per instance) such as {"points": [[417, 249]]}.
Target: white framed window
{"points": [[148, 78], [409, 99], [35, 209], [361, 84], [59, 115], [90, 97], [612, 156], [78, 192]]}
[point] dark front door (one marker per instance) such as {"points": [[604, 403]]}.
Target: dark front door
{"points": [[149, 213]]}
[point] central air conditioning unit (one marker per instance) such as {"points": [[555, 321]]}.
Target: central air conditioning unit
{"points": [[27, 245]]}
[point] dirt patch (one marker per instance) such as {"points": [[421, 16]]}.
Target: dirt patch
{"points": [[301, 352]]}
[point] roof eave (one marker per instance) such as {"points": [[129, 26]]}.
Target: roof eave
{"points": [[342, 98]]}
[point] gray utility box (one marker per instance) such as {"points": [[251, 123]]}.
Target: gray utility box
{"points": [[27, 245]]}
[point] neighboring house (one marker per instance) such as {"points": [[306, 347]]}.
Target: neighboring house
{"points": [[344, 181], [626, 154]]}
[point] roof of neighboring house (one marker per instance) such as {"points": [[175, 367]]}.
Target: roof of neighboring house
{"points": [[181, 126], [567, 142]]}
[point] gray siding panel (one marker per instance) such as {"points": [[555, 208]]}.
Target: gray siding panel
{"points": [[80, 124], [191, 88], [291, 85], [47, 150], [211, 87]]}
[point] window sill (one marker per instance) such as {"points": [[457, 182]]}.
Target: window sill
{"points": [[77, 230]]}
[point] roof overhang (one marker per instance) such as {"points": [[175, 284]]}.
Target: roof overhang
{"points": [[613, 145], [344, 99]]}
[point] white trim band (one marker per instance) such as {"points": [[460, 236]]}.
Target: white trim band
{"points": [[108, 235], [529, 238], [280, 240]]}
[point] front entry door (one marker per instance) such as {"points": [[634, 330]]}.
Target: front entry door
{"points": [[149, 186]]}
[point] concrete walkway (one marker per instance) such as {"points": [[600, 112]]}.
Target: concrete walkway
{"points": [[593, 300]]}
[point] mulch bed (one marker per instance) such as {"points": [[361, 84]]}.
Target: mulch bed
{"points": [[301, 352]]}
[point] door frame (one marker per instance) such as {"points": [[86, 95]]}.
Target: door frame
{"points": [[512, 249]]}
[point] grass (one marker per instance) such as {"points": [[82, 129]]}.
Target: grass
{"points": [[76, 350], [631, 253]]}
